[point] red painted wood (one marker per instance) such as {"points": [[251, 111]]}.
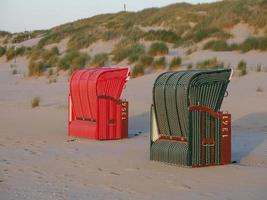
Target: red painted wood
{"points": [[95, 103], [205, 109], [226, 125], [175, 138], [226, 138], [124, 119]]}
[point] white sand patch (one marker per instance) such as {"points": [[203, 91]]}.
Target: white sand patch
{"points": [[100, 46], [30, 42], [152, 28], [62, 45], [201, 44], [241, 32], [192, 24], [27, 43]]}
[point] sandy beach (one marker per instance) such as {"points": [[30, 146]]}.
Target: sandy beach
{"points": [[39, 161]]}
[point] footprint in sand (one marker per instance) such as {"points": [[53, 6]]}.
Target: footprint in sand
{"points": [[2, 145], [5, 161], [114, 173], [187, 187], [100, 169], [75, 165], [37, 172], [31, 152], [115, 188], [182, 187], [111, 173], [111, 187]]}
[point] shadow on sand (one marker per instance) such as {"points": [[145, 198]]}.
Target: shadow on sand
{"points": [[139, 124], [248, 133]]}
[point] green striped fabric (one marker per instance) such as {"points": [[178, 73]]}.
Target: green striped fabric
{"points": [[197, 134], [173, 94], [170, 152]]}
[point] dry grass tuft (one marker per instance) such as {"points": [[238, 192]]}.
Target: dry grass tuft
{"points": [[35, 102]]}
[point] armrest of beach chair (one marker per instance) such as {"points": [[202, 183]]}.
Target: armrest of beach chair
{"points": [[210, 136]]}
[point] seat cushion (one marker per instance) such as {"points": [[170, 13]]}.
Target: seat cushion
{"points": [[169, 151], [83, 129]]}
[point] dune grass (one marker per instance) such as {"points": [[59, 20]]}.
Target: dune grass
{"points": [[259, 89], [158, 49], [13, 52], [4, 33], [159, 63], [52, 80], [81, 40], [10, 53], [162, 35], [138, 70], [175, 63], [132, 52], [180, 24], [99, 60], [42, 59], [120, 54], [135, 51], [210, 64], [242, 67], [26, 35], [218, 45], [252, 43], [73, 60], [183, 24], [35, 102], [51, 37], [2, 51], [146, 60], [50, 72], [258, 68], [14, 72], [36, 68]]}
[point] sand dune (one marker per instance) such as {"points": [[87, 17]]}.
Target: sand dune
{"points": [[39, 161], [231, 58], [241, 32]]}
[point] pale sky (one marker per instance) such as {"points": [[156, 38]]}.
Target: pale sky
{"points": [[21, 15]]}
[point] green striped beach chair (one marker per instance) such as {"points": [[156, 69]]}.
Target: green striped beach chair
{"points": [[187, 126]]}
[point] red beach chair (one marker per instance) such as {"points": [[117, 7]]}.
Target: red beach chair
{"points": [[95, 108]]}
